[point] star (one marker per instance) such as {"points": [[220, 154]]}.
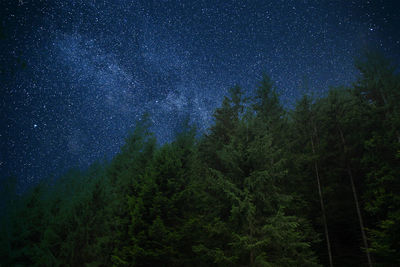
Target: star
{"points": [[90, 80]]}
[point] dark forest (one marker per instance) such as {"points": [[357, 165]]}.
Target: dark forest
{"points": [[316, 184]]}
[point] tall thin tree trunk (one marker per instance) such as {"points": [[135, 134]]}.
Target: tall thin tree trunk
{"points": [[328, 244], [251, 231], [251, 258], [353, 188]]}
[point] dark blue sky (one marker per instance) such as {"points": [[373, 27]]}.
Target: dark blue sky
{"points": [[76, 75]]}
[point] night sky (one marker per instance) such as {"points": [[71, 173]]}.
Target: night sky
{"points": [[75, 76]]}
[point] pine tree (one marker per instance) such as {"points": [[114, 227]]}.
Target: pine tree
{"points": [[160, 212], [246, 188]]}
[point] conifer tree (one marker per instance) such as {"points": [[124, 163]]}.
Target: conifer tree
{"points": [[248, 184]]}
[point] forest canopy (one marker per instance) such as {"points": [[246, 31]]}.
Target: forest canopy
{"points": [[318, 184]]}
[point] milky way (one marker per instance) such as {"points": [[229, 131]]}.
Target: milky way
{"points": [[77, 75]]}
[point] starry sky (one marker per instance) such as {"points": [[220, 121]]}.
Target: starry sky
{"points": [[76, 75]]}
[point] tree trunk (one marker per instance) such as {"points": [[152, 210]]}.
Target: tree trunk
{"points": [[328, 244], [353, 188]]}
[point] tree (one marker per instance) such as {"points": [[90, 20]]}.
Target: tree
{"points": [[306, 129], [378, 91], [161, 224], [245, 188], [338, 106]]}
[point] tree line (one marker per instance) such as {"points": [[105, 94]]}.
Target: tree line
{"points": [[318, 184]]}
